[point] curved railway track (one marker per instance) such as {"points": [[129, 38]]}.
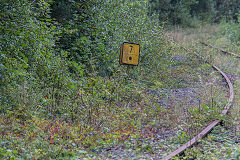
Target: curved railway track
{"points": [[208, 129]]}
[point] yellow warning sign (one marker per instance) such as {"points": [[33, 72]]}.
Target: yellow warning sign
{"points": [[129, 53]]}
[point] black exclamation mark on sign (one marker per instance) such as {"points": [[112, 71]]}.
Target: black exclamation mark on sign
{"points": [[130, 58]]}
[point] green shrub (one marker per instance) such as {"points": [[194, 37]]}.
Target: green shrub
{"points": [[31, 69], [41, 73], [104, 25], [231, 30]]}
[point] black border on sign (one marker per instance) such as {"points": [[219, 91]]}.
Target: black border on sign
{"points": [[121, 54]]}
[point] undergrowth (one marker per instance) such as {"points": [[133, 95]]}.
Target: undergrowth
{"points": [[65, 96], [222, 143]]}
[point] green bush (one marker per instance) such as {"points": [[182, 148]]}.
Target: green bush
{"points": [[107, 24], [183, 12], [31, 69], [231, 30], [46, 61]]}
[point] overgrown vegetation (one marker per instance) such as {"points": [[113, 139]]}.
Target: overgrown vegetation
{"points": [[193, 12], [223, 142], [46, 61], [61, 79], [63, 94], [231, 30]]}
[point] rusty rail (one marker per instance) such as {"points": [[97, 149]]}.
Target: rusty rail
{"points": [[222, 50], [208, 129]]}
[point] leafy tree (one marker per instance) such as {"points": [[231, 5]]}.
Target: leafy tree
{"points": [[174, 11], [31, 68], [184, 11], [227, 9]]}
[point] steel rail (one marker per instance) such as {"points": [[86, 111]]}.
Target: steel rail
{"points": [[208, 129], [222, 50]]}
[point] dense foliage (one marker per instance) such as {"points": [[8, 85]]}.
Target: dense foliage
{"points": [[59, 60], [47, 55], [231, 30], [62, 89], [187, 12]]}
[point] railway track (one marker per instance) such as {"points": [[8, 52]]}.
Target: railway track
{"points": [[214, 123]]}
